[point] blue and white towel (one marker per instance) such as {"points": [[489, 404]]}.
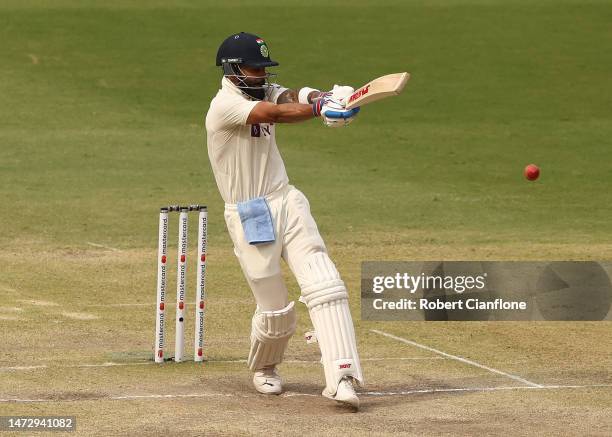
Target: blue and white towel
{"points": [[256, 221]]}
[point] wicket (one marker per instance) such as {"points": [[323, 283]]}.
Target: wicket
{"points": [[162, 281]]}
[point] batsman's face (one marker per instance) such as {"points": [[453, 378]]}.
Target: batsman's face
{"points": [[256, 76]]}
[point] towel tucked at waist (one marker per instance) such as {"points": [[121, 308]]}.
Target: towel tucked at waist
{"points": [[256, 221]]}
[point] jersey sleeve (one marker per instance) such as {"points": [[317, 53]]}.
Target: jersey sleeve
{"points": [[275, 91], [231, 111]]}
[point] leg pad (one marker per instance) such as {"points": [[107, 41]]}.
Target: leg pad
{"points": [[325, 295], [270, 334]]}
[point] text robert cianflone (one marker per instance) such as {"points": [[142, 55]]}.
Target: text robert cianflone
{"points": [[412, 283], [468, 304]]}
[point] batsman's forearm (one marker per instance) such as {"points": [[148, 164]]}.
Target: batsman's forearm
{"points": [[293, 112]]}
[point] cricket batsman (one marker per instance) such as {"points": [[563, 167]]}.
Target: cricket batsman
{"points": [[269, 219]]}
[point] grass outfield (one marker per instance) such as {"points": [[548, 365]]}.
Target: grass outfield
{"points": [[102, 122]]}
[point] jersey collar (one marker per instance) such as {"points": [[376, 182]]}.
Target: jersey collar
{"points": [[228, 85]]}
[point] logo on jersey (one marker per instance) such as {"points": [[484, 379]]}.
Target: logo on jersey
{"points": [[258, 130]]}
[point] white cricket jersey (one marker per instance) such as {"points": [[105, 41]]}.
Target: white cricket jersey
{"points": [[244, 158]]}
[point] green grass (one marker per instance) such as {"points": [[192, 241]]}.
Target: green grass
{"points": [[107, 124]]}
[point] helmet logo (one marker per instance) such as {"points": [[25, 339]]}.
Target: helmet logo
{"points": [[264, 50]]}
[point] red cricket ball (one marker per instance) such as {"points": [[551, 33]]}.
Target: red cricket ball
{"points": [[532, 172]]}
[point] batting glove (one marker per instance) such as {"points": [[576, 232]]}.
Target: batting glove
{"points": [[333, 112], [341, 92]]}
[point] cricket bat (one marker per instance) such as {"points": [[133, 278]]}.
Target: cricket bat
{"points": [[380, 88]]}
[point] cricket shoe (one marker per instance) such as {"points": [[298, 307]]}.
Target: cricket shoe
{"points": [[267, 381], [345, 393]]}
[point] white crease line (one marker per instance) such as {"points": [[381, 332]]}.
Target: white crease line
{"points": [[129, 397], [478, 389], [152, 304], [134, 304], [80, 316], [38, 303], [11, 309], [109, 364], [123, 304], [362, 359], [455, 357], [51, 367], [400, 358], [291, 394], [102, 246], [24, 401], [14, 368], [319, 361], [194, 395], [148, 363]]}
